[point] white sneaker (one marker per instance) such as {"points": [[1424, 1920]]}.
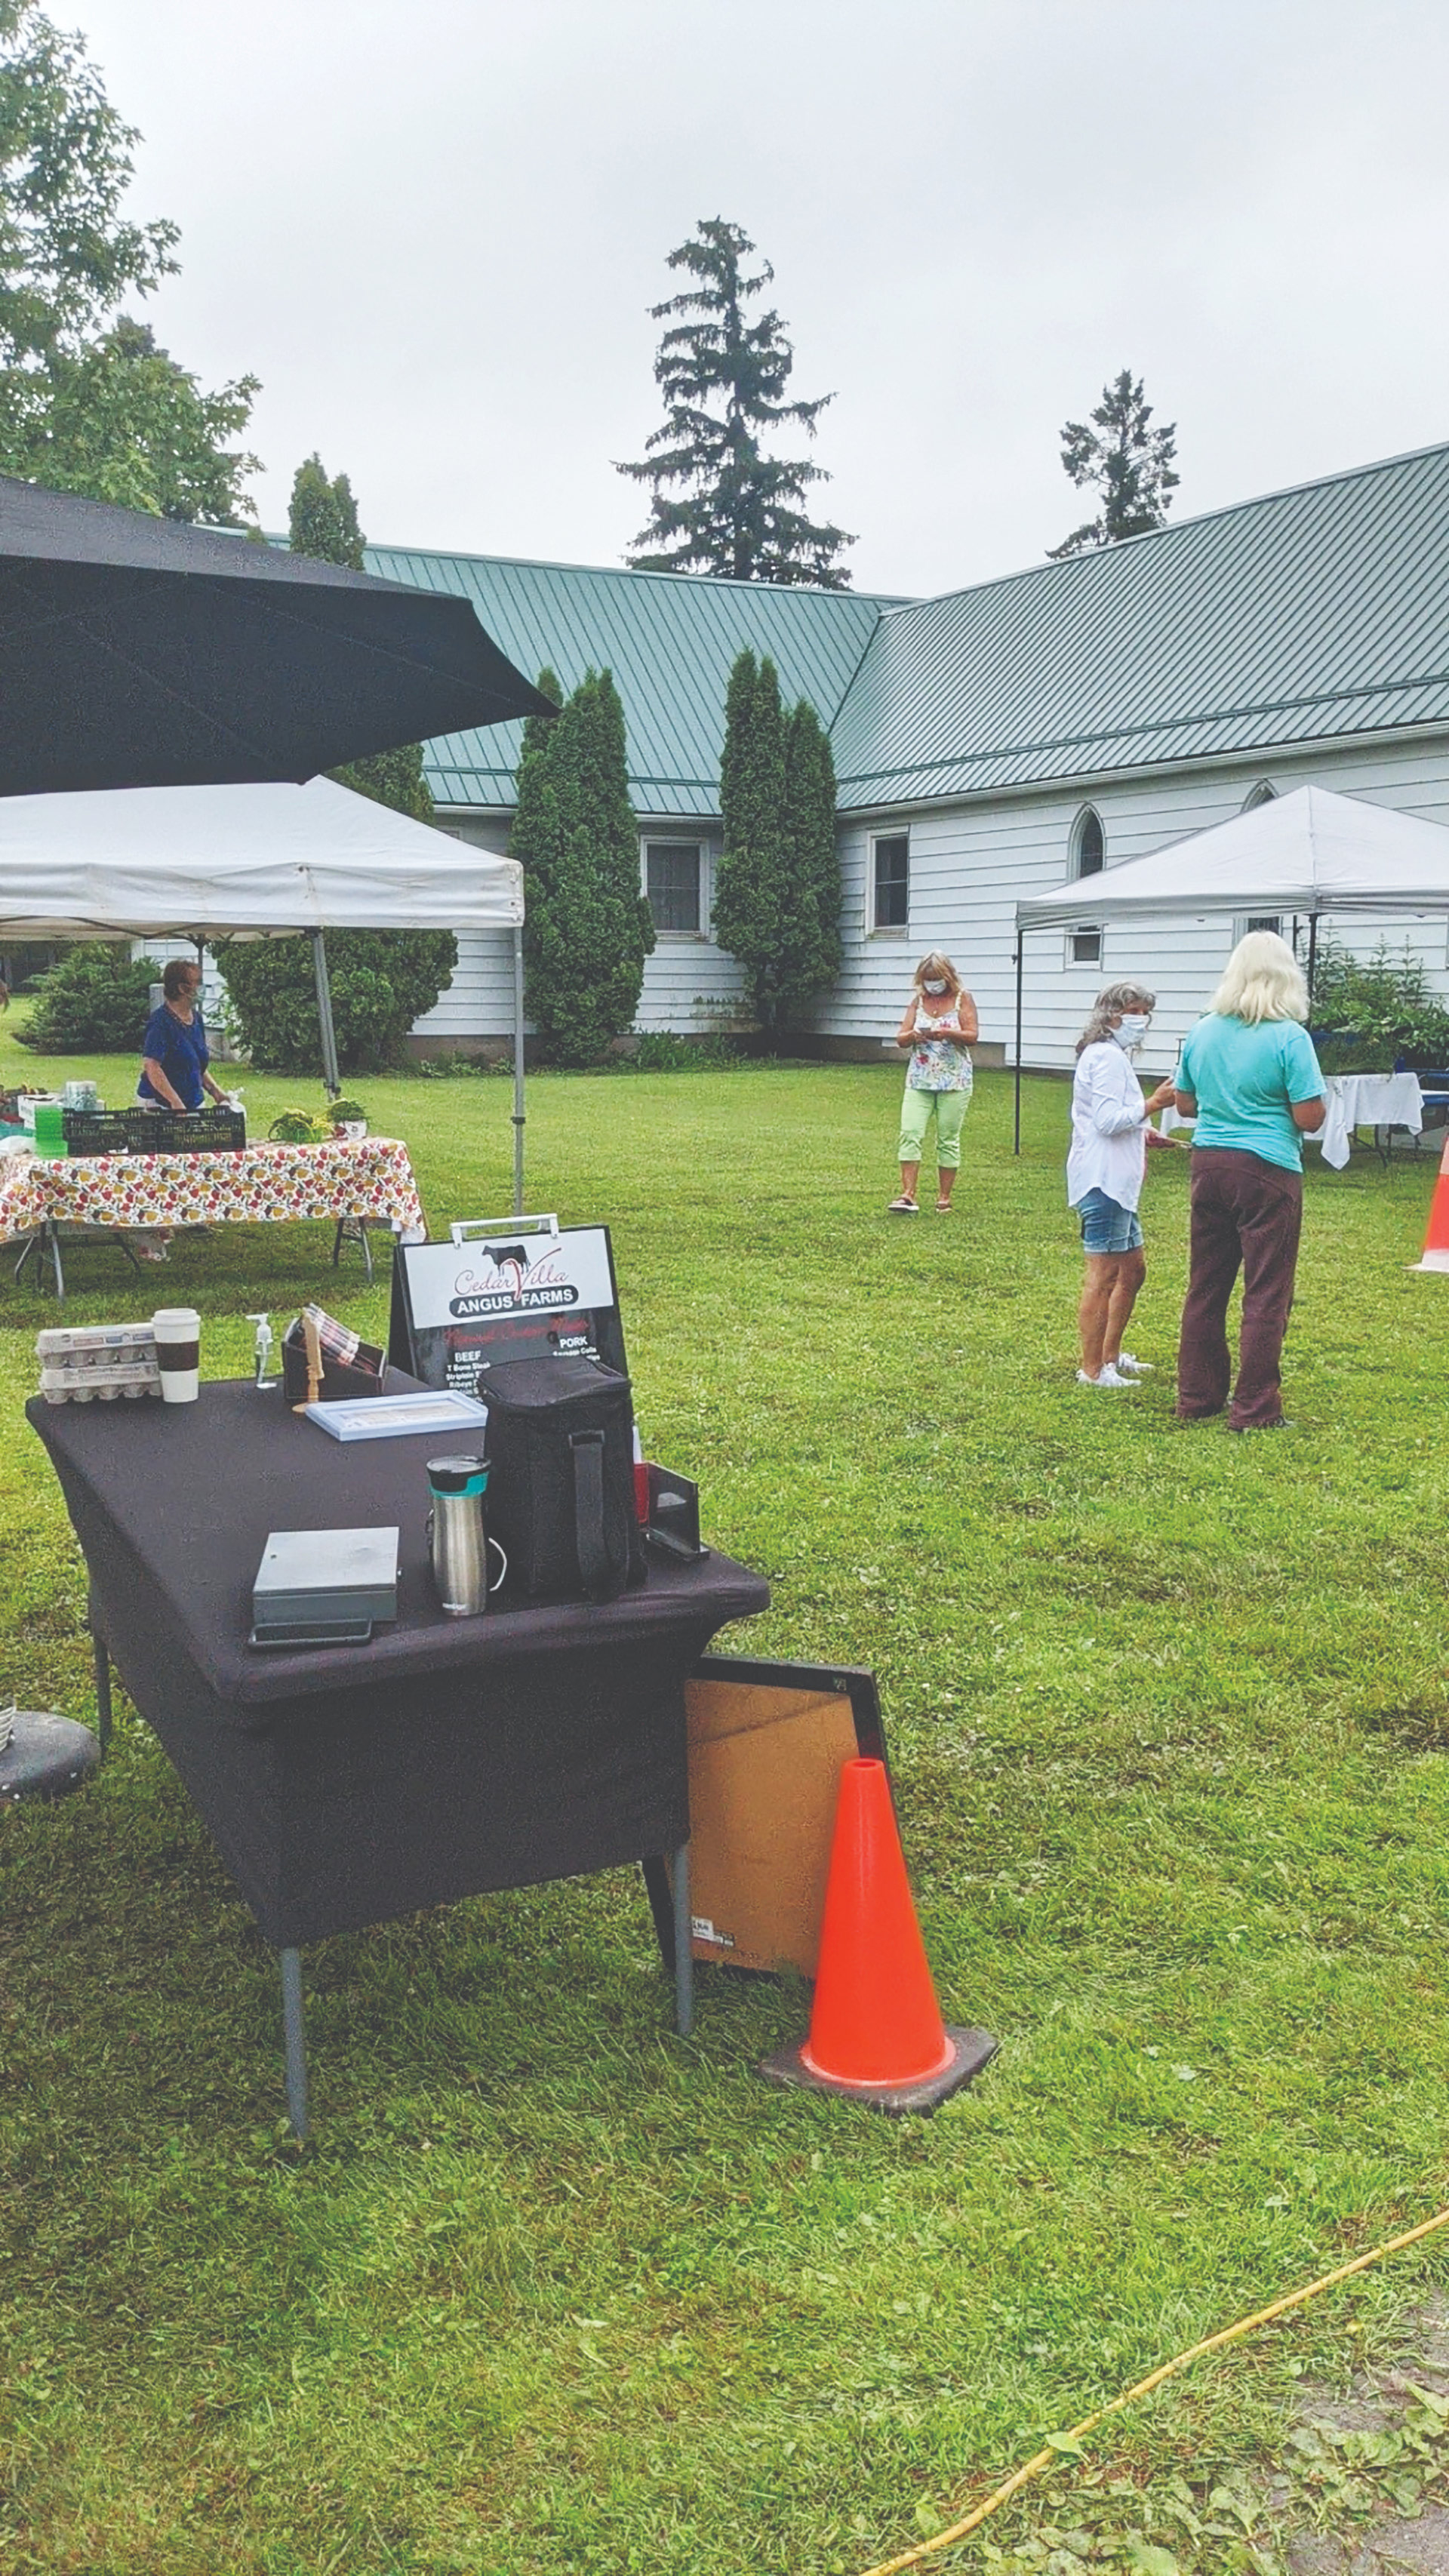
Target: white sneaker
{"points": [[1104, 1377], [1128, 1365]]}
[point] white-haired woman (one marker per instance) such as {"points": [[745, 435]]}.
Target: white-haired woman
{"points": [[1111, 1127], [939, 1029], [1252, 1081]]}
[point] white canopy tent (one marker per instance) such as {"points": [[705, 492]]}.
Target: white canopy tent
{"points": [[253, 862], [1309, 853]]}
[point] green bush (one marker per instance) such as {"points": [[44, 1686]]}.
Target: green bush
{"points": [[96, 1001], [382, 980], [664, 1051], [1373, 1011]]}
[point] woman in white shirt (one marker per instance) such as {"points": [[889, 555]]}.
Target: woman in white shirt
{"points": [[1111, 1128]]}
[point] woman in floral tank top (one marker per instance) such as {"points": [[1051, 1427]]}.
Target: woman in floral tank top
{"points": [[938, 1029]]}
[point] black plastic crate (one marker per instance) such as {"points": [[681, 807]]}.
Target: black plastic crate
{"points": [[95, 1131], [185, 1131]]}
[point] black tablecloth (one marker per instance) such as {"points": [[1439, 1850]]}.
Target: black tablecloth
{"points": [[346, 1786]]}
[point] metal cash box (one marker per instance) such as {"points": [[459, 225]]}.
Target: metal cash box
{"points": [[324, 1587]]}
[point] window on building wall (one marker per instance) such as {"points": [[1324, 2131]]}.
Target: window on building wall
{"points": [[1089, 848], [1262, 794], [1084, 944], [672, 872], [891, 867]]}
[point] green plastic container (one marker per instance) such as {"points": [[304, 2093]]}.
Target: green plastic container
{"points": [[49, 1131]]}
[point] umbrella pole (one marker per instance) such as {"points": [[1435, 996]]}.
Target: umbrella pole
{"points": [[1020, 947], [330, 1074], [518, 1112]]}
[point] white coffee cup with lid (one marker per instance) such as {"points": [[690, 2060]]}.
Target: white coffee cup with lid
{"points": [[178, 1352]]}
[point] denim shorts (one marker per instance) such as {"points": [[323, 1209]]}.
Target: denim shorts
{"points": [[1107, 1226]]}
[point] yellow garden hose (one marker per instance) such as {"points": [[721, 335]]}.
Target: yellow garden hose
{"points": [[1051, 2455]]}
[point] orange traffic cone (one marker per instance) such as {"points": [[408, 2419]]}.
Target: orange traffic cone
{"points": [[1436, 1241], [876, 2031]]}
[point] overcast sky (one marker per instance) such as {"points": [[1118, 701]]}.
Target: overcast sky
{"points": [[434, 227]]}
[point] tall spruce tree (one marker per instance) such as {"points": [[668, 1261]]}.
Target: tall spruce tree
{"points": [[322, 522], [777, 886], [587, 928], [720, 504], [1131, 464]]}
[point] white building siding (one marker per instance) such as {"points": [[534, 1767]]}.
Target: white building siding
{"points": [[971, 864], [690, 985]]}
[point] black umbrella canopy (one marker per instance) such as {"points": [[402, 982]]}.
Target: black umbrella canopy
{"points": [[138, 653]]}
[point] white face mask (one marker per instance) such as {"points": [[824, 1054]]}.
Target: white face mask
{"points": [[931, 986], [1132, 1028]]}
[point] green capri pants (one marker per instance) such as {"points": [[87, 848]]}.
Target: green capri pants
{"points": [[950, 1108]]}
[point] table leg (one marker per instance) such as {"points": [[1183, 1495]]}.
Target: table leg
{"points": [[103, 1690], [26, 1250], [295, 2040], [52, 1246], [352, 1229], [683, 1946]]}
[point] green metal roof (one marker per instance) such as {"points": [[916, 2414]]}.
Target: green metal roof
{"points": [[670, 640], [1313, 612]]}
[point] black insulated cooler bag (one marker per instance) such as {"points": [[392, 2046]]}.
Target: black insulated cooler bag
{"points": [[561, 1478]]}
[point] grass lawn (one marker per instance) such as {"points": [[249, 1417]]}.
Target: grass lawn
{"points": [[556, 2294]]}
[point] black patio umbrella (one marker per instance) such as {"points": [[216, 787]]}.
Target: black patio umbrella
{"points": [[138, 653]]}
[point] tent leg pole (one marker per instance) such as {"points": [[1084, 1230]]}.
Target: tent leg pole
{"points": [[518, 1111], [1020, 949], [1312, 952], [330, 1074]]}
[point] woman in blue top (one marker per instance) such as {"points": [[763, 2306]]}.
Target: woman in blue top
{"points": [[1250, 1078], [174, 1052]]}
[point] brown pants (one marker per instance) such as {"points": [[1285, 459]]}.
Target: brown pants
{"points": [[1246, 1214]]}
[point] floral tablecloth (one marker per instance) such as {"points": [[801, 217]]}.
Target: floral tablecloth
{"points": [[264, 1185]]}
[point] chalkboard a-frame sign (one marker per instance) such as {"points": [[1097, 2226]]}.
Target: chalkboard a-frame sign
{"points": [[520, 1288]]}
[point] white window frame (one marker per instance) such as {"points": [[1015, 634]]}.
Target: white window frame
{"points": [[1079, 826], [1243, 922], [1084, 930], [886, 929], [1265, 793], [676, 840]]}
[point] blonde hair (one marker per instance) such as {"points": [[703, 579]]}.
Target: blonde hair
{"points": [[936, 964], [1264, 981]]}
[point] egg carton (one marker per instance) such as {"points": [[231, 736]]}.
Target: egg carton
{"points": [[96, 1345], [103, 1385]]}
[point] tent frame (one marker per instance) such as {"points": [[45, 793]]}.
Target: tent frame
{"points": [[1019, 961]]}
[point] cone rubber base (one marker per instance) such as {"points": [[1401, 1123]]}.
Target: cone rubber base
{"points": [[47, 1756], [1433, 1260], [970, 2051]]}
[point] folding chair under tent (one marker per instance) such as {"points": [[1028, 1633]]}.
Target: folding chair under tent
{"points": [[1311, 852], [252, 862]]}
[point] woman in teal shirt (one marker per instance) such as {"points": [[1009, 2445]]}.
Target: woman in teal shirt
{"points": [[1250, 1078]]}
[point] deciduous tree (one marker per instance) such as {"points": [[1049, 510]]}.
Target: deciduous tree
{"points": [[720, 504], [88, 401], [1129, 462]]}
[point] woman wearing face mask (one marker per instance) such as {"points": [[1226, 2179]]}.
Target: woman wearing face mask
{"points": [[1111, 1129], [938, 1029]]}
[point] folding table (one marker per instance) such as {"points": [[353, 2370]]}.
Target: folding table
{"points": [[345, 1786]]}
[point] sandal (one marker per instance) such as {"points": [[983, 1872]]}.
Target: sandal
{"points": [[903, 1207], [943, 1207]]}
